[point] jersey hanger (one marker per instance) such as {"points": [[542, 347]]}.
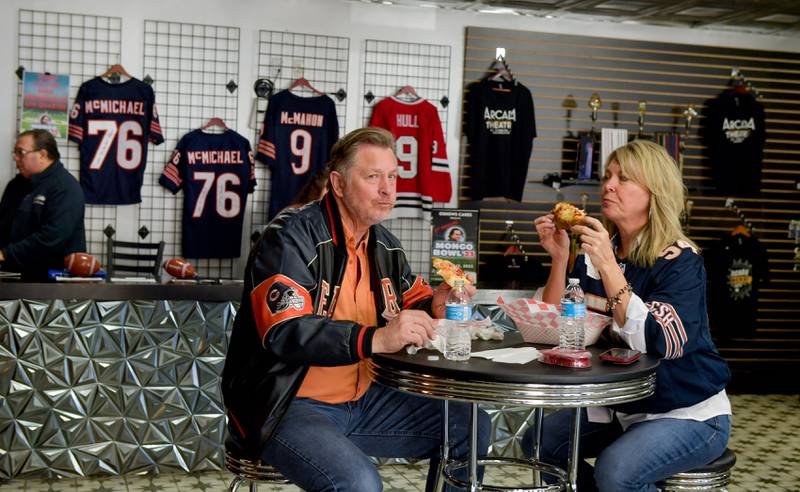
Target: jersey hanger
{"points": [[409, 91], [115, 71], [303, 82], [740, 229], [214, 122]]}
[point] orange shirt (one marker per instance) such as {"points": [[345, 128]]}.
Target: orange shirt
{"points": [[356, 303]]}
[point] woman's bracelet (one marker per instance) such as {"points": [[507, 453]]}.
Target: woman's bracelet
{"points": [[612, 302]]}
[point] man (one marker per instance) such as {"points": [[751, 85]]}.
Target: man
{"points": [[325, 288], [48, 224]]}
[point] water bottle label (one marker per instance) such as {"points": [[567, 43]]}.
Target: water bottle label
{"points": [[573, 310], [458, 312]]}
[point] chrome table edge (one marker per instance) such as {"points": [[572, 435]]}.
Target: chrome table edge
{"points": [[504, 393]]}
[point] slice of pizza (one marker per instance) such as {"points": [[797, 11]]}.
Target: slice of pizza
{"points": [[566, 215], [449, 271]]}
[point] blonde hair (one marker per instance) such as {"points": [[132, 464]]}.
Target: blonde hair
{"points": [[649, 165]]}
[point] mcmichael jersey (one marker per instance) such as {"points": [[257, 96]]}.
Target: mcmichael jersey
{"points": [[423, 172], [295, 143], [216, 172], [500, 127], [112, 124]]}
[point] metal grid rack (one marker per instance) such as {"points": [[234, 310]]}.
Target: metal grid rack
{"points": [[282, 58], [195, 71], [81, 46], [389, 65]]}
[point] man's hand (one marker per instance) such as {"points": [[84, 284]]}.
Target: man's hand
{"points": [[440, 298], [411, 327]]}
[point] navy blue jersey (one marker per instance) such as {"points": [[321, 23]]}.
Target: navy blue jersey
{"points": [[112, 124], [676, 329], [295, 143], [216, 173]]}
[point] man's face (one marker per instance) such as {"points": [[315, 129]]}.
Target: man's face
{"points": [[455, 235], [370, 189], [28, 160]]}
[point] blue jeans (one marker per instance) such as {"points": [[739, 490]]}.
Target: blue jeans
{"points": [[636, 459], [326, 447]]}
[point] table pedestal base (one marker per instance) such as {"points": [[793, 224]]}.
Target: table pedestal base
{"points": [[536, 467]]}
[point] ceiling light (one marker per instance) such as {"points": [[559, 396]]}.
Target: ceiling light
{"points": [[497, 11]]}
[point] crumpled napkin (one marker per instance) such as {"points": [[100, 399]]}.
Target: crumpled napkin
{"points": [[510, 355], [479, 329]]}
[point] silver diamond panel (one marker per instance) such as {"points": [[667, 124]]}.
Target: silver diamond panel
{"points": [[108, 388], [120, 387]]}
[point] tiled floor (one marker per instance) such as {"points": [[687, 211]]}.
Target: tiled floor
{"points": [[764, 439]]}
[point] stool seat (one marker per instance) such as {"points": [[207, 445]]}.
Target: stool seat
{"points": [[253, 471], [715, 476]]}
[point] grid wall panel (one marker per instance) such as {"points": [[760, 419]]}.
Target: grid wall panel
{"points": [[191, 65], [81, 46], [284, 57], [388, 66]]}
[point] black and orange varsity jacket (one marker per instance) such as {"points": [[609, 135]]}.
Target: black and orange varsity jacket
{"points": [[283, 325]]}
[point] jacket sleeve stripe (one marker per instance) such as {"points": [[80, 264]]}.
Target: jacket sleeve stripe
{"points": [[278, 299], [418, 292], [672, 327], [361, 342]]}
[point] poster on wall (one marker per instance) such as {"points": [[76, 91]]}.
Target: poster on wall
{"points": [[455, 238], [44, 103]]}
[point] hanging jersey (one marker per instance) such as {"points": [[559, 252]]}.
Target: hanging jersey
{"points": [[500, 128], [216, 172], [423, 172], [737, 269], [295, 143], [112, 125], [734, 134]]}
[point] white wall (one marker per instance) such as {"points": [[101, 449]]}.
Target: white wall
{"points": [[330, 17]]}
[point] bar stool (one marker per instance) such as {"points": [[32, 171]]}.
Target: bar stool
{"points": [[254, 472], [713, 476]]}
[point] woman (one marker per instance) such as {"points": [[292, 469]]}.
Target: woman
{"points": [[640, 268]]}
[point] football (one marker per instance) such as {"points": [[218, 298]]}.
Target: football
{"points": [[179, 268], [81, 264]]}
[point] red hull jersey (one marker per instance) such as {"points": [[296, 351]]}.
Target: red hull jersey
{"points": [[424, 175], [112, 125]]}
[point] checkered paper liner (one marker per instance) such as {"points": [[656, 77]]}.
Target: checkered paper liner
{"points": [[538, 321]]}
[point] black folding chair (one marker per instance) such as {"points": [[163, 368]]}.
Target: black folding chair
{"points": [[141, 259]]}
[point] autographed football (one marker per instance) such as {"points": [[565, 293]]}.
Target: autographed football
{"points": [[81, 264], [179, 268], [567, 215]]}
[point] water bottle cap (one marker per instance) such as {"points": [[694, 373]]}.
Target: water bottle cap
{"points": [[459, 282], [574, 281]]}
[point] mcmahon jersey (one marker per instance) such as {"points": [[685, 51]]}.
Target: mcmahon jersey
{"points": [[216, 173], [423, 172], [295, 143], [112, 125]]}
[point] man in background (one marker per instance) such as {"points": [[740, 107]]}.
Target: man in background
{"points": [[48, 223]]}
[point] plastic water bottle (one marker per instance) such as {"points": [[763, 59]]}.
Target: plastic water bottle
{"points": [[571, 334], [457, 341]]}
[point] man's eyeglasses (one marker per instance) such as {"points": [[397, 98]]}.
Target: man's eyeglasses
{"points": [[23, 152]]}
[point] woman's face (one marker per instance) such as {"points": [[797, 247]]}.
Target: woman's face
{"points": [[624, 201]]}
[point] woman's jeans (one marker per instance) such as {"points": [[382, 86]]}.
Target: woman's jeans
{"points": [[636, 459], [321, 446]]}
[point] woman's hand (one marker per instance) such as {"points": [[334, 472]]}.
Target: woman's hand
{"points": [[554, 241], [596, 243]]}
